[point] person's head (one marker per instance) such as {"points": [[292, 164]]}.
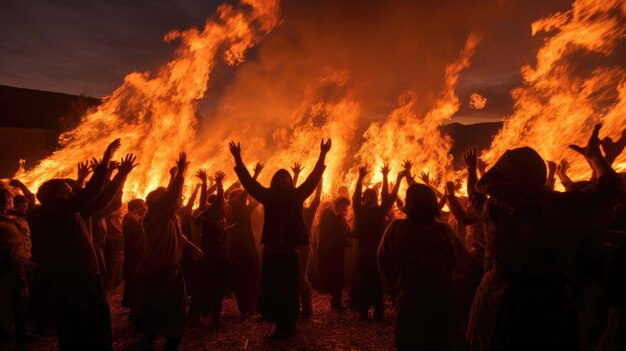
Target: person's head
{"points": [[20, 203], [340, 205], [281, 180], [53, 191], [236, 198], [342, 190], [369, 198], [518, 166], [6, 199], [154, 196], [138, 207], [421, 203]]}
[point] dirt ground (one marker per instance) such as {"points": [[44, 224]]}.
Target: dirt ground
{"points": [[325, 330]]}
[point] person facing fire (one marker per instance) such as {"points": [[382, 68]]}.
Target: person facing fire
{"points": [[283, 235], [532, 237], [82, 313], [416, 258], [369, 225], [241, 249], [214, 273], [134, 249], [163, 303], [333, 239]]}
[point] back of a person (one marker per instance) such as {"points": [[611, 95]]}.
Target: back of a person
{"points": [[284, 225], [163, 242]]}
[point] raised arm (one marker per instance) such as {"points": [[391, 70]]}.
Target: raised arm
{"points": [[561, 171], [455, 207], [192, 198], [252, 186], [101, 203], [471, 161], [27, 193], [384, 196], [425, 177], [310, 183], [99, 177], [83, 171], [593, 154], [218, 204], [612, 149], [358, 191], [550, 180], [296, 169], [201, 174]]}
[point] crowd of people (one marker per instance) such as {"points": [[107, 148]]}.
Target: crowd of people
{"points": [[514, 265]]}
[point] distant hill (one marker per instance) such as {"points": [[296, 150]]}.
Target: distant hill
{"points": [[31, 121]]}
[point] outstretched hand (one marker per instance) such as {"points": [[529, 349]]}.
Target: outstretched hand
{"points": [[325, 146], [592, 149], [258, 167], [127, 164], [470, 158], [83, 170], [201, 174], [235, 150], [450, 188], [363, 171], [612, 149], [385, 169], [110, 150], [425, 177], [407, 165], [219, 177], [296, 168], [181, 164], [551, 166], [561, 168]]}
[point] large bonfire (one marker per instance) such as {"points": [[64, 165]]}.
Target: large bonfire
{"points": [[155, 114]]}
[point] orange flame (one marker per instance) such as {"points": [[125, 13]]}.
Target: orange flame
{"points": [[477, 101], [558, 105], [155, 114]]}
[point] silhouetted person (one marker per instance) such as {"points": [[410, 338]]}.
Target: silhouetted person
{"points": [[214, 271], [241, 249], [83, 319], [134, 250], [333, 236], [308, 215], [163, 303], [369, 225], [284, 234], [532, 236], [15, 266], [416, 259]]}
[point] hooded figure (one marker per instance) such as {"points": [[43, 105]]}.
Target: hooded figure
{"points": [[531, 236], [416, 258]]}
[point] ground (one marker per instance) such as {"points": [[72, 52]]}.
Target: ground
{"points": [[325, 330]]}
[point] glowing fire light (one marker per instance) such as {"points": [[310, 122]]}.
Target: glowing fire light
{"points": [[477, 101]]}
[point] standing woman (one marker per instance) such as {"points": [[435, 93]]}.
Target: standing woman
{"points": [[284, 234], [416, 259]]}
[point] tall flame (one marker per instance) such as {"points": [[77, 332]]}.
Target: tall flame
{"points": [[155, 114], [559, 102], [405, 136]]}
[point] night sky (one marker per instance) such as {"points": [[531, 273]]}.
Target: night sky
{"points": [[88, 46]]}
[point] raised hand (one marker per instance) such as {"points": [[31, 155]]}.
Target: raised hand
{"points": [[325, 146], [296, 168], [83, 170], [173, 171], [219, 177], [450, 188], [407, 165], [182, 163], [127, 164], [114, 165], [470, 158], [201, 174], [235, 150], [258, 168], [425, 177], [611, 148], [385, 169], [592, 149], [363, 171], [93, 163], [110, 150], [551, 166]]}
